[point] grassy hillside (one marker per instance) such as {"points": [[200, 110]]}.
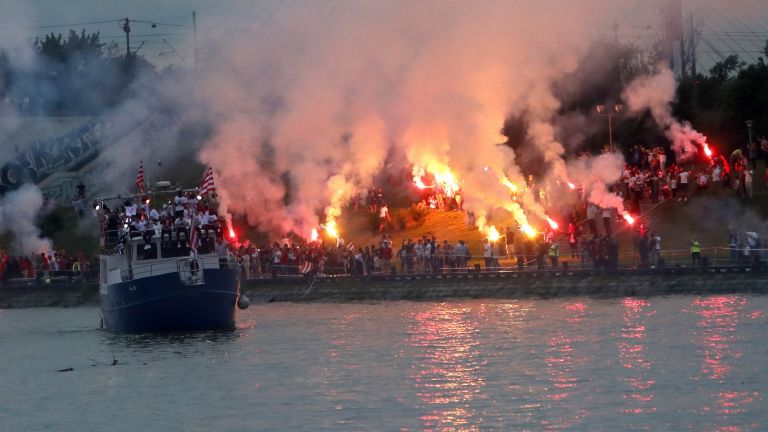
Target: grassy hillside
{"points": [[706, 217]]}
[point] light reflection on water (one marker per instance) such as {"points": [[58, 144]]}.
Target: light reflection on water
{"points": [[445, 377], [632, 344], [718, 338], [669, 363], [562, 360]]}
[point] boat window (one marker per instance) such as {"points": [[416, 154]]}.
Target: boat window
{"points": [[142, 253], [174, 249]]}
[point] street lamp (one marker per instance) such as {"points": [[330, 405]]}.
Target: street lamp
{"points": [[749, 124], [610, 111]]}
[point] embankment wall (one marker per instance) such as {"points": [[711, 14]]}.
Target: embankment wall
{"points": [[503, 285]]}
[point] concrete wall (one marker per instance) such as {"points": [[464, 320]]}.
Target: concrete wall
{"points": [[509, 285], [442, 287]]}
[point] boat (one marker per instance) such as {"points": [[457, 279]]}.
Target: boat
{"points": [[157, 283]]}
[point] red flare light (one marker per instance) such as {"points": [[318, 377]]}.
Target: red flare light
{"points": [[628, 217], [571, 185], [552, 223], [707, 150], [231, 233], [315, 235]]}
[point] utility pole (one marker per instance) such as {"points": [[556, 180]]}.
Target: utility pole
{"points": [[127, 30], [194, 39]]}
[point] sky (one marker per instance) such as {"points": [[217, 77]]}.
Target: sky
{"points": [[733, 26]]}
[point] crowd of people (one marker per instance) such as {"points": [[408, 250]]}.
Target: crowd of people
{"points": [[173, 222], [57, 265]]}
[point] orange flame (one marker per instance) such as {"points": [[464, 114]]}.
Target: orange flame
{"points": [[330, 228], [493, 234], [528, 230], [442, 174], [628, 217], [511, 186], [552, 223]]}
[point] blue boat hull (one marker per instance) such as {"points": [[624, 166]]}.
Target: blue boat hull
{"points": [[163, 303]]}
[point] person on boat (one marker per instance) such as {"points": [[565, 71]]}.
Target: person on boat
{"points": [[222, 251]]}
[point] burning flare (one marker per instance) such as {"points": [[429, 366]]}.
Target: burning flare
{"points": [[330, 228], [314, 235], [552, 223], [442, 174], [528, 230], [232, 233], [707, 150], [511, 186], [628, 217], [571, 185], [493, 234]]}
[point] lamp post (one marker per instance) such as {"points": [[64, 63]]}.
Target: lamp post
{"points": [[610, 111], [749, 124]]}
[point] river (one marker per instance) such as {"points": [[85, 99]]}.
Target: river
{"points": [[663, 363]]}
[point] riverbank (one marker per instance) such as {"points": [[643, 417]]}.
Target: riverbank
{"points": [[431, 287]]}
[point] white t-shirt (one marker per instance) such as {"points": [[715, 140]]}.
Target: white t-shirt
{"points": [[684, 177], [716, 174]]}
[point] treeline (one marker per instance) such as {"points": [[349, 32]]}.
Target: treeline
{"points": [[721, 102], [69, 76]]}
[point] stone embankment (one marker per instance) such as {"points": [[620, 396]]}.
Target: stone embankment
{"points": [[491, 285]]}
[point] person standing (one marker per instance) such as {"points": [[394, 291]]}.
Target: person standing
{"points": [[487, 253], [509, 242], [222, 251], [695, 253], [684, 174], [591, 216], [554, 254], [607, 214]]}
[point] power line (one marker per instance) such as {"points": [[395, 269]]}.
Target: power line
{"points": [[718, 34]]}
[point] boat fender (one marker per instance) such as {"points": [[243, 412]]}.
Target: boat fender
{"points": [[243, 302]]}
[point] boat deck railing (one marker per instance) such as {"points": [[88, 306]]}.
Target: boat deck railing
{"points": [[174, 266]]}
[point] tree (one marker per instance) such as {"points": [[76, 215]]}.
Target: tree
{"points": [[723, 70]]}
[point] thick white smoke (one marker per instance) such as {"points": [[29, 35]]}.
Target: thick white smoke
{"points": [[303, 110], [595, 174], [307, 109], [656, 93], [18, 211]]}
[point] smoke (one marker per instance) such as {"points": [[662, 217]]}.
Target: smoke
{"points": [[18, 211], [306, 117], [656, 93], [597, 172], [299, 113]]}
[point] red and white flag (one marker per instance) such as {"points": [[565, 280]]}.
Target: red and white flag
{"points": [[306, 267], [207, 184], [140, 177], [193, 240]]}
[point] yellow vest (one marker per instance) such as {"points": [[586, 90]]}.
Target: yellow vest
{"points": [[695, 247], [554, 250]]}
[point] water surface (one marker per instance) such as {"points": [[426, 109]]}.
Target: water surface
{"points": [[665, 363]]}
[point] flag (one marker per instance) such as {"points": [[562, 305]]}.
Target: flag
{"points": [[207, 184], [351, 247], [140, 177], [193, 240], [306, 267]]}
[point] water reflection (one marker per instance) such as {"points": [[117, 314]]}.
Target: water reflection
{"points": [[447, 379], [561, 363], [147, 342], [632, 344], [717, 332]]}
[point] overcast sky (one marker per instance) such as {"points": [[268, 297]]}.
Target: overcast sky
{"points": [[727, 26]]}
